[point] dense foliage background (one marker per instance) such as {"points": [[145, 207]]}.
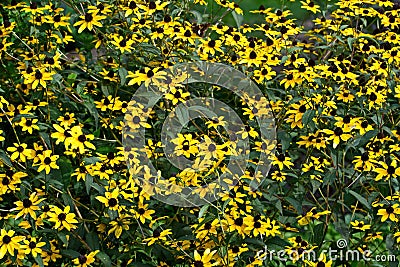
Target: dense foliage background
{"points": [[69, 69]]}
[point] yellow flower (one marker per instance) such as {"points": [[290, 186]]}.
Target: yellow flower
{"points": [[310, 5], [32, 246], [38, 76], [158, 235], [147, 75], [85, 260], [9, 242], [205, 259], [47, 161], [390, 213], [28, 206], [89, 20], [62, 218], [20, 151], [360, 225], [110, 200]]}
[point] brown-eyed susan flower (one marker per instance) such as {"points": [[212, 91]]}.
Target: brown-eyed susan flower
{"points": [[360, 225], [204, 259], [85, 260], [81, 141], [365, 162], [282, 161], [38, 76], [110, 200], [28, 124], [89, 20], [28, 206], [158, 236], [47, 161], [62, 218], [310, 215], [387, 171], [337, 135], [185, 145], [177, 95], [147, 76], [33, 246], [119, 224], [122, 43], [67, 119], [20, 152], [310, 6], [142, 212], [9, 242], [390, 212]]}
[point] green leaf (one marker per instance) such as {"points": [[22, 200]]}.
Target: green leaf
{"points": [[72, 77], [88, 182], [182, 114], [318, 233], [285, 139], [361, 199], [93, 240], [93, 111], [238, 19], [63, 238], [104, 258], [203, 210], [39, 261], [70, 253], [122, 75], [5, 159], [198, 16], [308, 117]]}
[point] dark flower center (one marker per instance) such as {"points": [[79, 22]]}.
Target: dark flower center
{"points": [[389, 210], [239, 221], [112, 202], [32, 245], [338, 131], [365, 156], [156, 233], [47, 160], [136, 119], [82, 259], [82, 138], [212, 148], [88, 17], [62, 217], [6, 239], [26, 203], [38, 75]]}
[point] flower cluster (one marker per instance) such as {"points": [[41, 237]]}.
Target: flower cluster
{"points": [[68, 186]]}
